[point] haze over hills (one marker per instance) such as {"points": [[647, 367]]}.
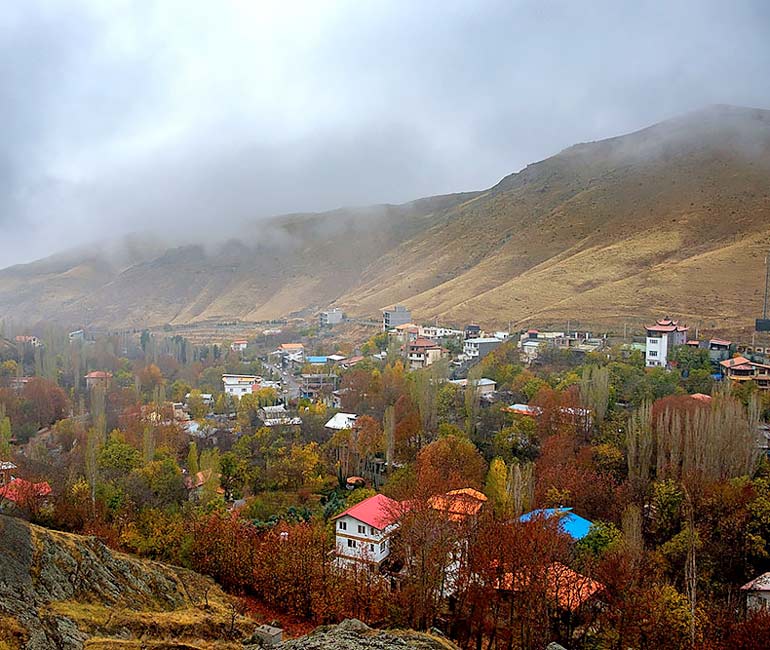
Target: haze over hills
{"points": [[674, 219]]}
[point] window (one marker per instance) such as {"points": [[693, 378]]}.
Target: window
{"points": [[383, 546], [371, 547], [374, 532], [352, 543], [343, 525], [653, 353], [361, 529], [652, 341]]}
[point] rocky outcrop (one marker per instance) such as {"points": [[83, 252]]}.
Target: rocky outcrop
{"points": [[67, 591], [355, 635]]}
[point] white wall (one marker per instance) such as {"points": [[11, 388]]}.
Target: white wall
{"points": [[370, 544]]}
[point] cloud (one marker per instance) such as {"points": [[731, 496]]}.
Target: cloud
{"points": [[188, 118]]}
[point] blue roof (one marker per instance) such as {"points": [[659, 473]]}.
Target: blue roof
{"points": [[317, 360], [574, 525]]}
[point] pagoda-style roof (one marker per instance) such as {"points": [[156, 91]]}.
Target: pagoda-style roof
{"points": [[666, 325]]}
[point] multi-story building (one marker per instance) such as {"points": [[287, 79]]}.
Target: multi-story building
{"points": [[239, 385], [423, 352], [479, 348], [239, 346], [363, 532], [330, 317], [398, 315], [661, 339]]}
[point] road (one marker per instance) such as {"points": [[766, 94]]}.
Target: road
{"points": [[290, 385]]}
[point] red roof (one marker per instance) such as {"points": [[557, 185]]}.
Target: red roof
{"points": [[701, 397], [378, 511], [720, 342], [19, 490]]}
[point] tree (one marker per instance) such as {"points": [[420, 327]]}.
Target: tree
{"points": [[496, 487], [448, 464], [196, 405], [232, 475], [5, 434], [192, 459]]}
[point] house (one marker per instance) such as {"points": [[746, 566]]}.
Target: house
{"points": [[336, 358], [484, 385], [98, 379], [394, 316], [567, 589], [6, 467], [21, 492], [740, 369], [662, 337], [757, 592], [478, 348], [239, 346], [422, 353], [459, 505], [362, 532], [317, 361], [472, 332], [240, 385], [32, 341], [341, 421], [351, 361], [315, 386], [78, 336], [524, 409], [274, 416], [330, 317], [573, 525], [436, 333], [291, 353], [719, 349], [18, 383]]}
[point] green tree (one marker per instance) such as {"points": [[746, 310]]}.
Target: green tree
{"points": [[196, 405], [192, 459], [496, 487]]}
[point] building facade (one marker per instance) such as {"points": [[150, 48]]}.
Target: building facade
{"points": [[239, 385], [398, 315], [330, 317], [662, 337], [362, 532], [480, 347]]}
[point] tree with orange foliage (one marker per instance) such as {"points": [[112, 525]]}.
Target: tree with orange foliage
{"points": [[450, 463]]}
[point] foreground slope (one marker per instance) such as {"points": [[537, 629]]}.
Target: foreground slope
{"points": [[67, 591], [671, 219]]}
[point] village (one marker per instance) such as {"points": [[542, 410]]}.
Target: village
{"points": [[398, 440]]}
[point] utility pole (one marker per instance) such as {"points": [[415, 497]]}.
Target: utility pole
{"points": [[767, 282]]}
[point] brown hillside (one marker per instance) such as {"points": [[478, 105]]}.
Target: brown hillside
{"points": [[674, 218]]}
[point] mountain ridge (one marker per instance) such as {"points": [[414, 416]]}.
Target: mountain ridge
{"points": [[601, 232]]}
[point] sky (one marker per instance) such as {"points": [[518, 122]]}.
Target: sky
{"points": [[189, 118]]}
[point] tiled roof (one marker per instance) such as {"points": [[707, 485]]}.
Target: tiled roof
{"points": [[19, 490]]}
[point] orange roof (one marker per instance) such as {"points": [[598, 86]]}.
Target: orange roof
{"points": [[568, 588], [701, 397], [291, 346], [720, 342], [99, 374], [458, 504], [735, 361]]}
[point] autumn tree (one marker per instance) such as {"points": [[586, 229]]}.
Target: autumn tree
{"points": [[448, 464]]}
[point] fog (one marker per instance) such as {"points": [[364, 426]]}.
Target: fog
{"points": [[190, 118]]}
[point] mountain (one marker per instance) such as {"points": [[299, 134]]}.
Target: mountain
{"points": [[67, 591], [672, 219]]}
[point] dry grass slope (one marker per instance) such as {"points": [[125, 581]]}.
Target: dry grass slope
{"points": [[671, 219]]}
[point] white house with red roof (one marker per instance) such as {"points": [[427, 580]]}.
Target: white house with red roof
{"points": [[661, 338], [363, 531]]}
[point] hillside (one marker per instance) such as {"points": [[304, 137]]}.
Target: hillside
{"points": [[674, 219], [66, 591]]}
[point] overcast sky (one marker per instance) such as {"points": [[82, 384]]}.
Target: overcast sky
{"points": [[189, 116]]}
